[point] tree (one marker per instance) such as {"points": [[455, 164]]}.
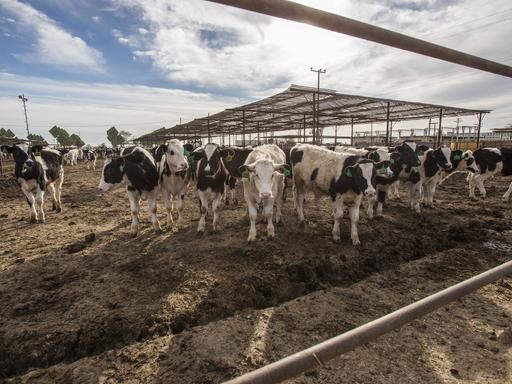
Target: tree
{"points": [[61, 135], [7, 134], [37, 138], [76, 140], [117, 138]]}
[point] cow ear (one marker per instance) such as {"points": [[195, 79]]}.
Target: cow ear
{"points": [[350, 171], [244, 171], [196, 155]]}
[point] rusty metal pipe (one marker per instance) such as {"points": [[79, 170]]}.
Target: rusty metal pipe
{"points": [[336, 23], [317, 355]]}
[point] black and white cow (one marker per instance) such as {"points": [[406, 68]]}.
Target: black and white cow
{"points": [[36, 171], [344, 177], [490, 162], [433, 163], [135, 169], [233, 158], [89, 157], [461, 162], [211, 176], [263, 184], [173, 176]]}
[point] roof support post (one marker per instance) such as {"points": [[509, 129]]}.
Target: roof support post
{"points": [[258, 129], [387, 124], [371, 133], [440, 129], [480, 117], [352, 132], [229, 139], [335, 135], [243, 127], [208, 124], [304, 125], [314, 118]]}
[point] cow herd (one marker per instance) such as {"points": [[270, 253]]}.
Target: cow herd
{"points": [[346, 175]]}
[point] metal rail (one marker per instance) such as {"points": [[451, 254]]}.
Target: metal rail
{"points": [[330, 21], [317, 355]]}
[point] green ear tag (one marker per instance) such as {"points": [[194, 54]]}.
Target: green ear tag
{"points": [[121, 167], [348, 172], [229, 158], [382, 170], [392, 161], [286, 172], [245, 174], [456, 157]]}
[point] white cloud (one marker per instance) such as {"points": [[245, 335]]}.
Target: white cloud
{"points": [[96, 19], [53, 45], [92, 108]]}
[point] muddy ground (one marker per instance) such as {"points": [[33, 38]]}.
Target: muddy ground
{"points": [[177, 307]]}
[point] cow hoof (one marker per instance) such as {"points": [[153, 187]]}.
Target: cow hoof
{"points": [[235, 202], [251, 240], [58, 210], [32, 220], [356, 243], [133, 235], [226, 203], [473, 198], [271, 237], [302, 223]]}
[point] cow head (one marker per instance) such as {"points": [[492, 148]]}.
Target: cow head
{"points": [[209, 159], [113, 174], [175, 155], [408, 155], [442, 155], [464, 161], [363, 174], [261, 173], [421, 149]]}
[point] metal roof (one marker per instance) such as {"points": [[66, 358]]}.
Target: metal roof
{"points": [[294, 109]]}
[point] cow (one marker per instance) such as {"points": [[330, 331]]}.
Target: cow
{"points": [[90, 158], [433, 163], [461, 162], [490, 163], [263, 184], [37, 170], [135, 169], [173, 176], [210, 174], [233, 158], [70, 156], [344, 177]]}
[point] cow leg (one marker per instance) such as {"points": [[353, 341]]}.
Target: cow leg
{"points": [[506, 196], [299, 200], [180, 205], [414, 196], [31, 200], [203, 206], [40, 204], [472, 185], [268, 208], [253, 215], [354, 220], [337, 215], [279, 199], [216, 208], [168, 206], [381, 198], [152, 210], [134, 198], [51, 188], [58, 191], [371, 202], [480, 184], [225, 195]]}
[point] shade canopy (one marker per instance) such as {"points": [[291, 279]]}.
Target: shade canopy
{"points": [[300, 107]]}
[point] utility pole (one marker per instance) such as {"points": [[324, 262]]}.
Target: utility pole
{"points": [[457, 140], [316, 109], [24, 100]]}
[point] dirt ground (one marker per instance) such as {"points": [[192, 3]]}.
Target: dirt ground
{"points": [[177, 307]]}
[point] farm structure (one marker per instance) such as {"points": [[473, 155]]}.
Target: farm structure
{"points": [[301, 109]]}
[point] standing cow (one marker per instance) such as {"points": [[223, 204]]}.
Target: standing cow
{"points": [[135, 169], [344, 177], [36, 171], [264, 183], [210, 175], [173, 176]]}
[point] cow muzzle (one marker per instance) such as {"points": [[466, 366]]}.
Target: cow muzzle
{"points": [[265, 195], [370, 192]]}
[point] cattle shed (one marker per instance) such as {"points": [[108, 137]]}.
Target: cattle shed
{"points": [[301, 108]]}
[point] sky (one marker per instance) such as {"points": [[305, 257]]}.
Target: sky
{"points": [[139, 65]]}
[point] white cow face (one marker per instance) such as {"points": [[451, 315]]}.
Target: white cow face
{"points": [[112, 175], [469, 160], [175, 157], [262, 173]]}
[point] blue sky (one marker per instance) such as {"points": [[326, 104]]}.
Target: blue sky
{"points": [[143, 64]]}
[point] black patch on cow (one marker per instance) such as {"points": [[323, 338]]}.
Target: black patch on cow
{"points": [[408, 156], [486, 159], [159, 152], [430, 164], [314, 174], [506, 154], [233, 158], [414, 177], [381, 196], [296, 156], [356, 182]]}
